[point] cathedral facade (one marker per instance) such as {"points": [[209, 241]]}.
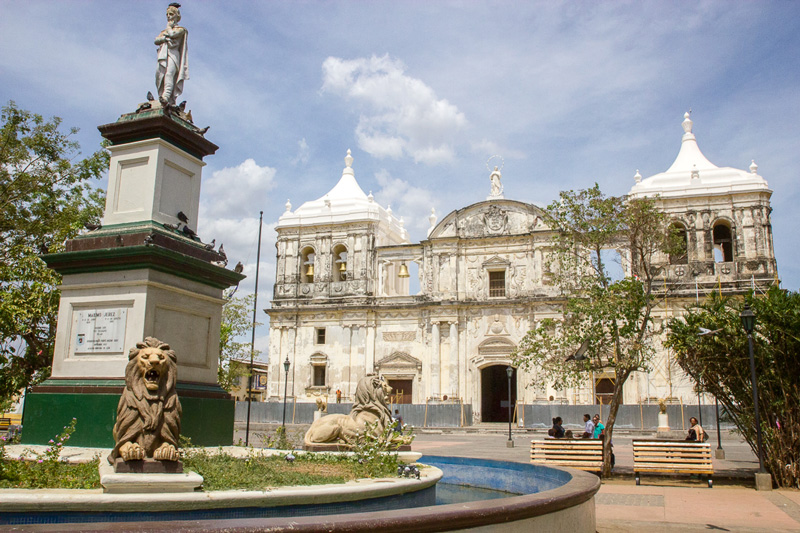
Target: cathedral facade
{"points": [[342, 306]]}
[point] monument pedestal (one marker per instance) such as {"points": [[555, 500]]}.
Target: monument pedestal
{"points": [[137, 277], [130, 483]]}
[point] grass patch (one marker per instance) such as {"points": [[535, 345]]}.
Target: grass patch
{"points": [[221, 471], [46, 470]]}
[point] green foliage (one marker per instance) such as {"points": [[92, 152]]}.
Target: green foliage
{"points": [[281, 440], [377, 449], [720, 364], [46, 197], [46, 470], [608, 321], [237, 323]]}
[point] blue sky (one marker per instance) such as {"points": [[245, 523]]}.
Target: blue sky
{"points": [[424, 92]]}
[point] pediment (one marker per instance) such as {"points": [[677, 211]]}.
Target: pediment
{"points": [[496, 346], [495, 261], [492, 218], [399, 360]]}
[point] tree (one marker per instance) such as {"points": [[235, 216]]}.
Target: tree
{"points": [[237, 323], [46, 197], [720, 364], [606, 325]]}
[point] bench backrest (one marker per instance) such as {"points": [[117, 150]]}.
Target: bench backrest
{"points": [[583, 454], [672, 455]]}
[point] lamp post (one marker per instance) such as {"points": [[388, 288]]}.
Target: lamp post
{"points": [[509, 373], [286, 365], [749, 324], [720, 453]]}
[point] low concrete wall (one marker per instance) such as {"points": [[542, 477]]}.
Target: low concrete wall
{"points": [[552, 499], [431, 415]]}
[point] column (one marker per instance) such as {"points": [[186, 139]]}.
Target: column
{"points": [[436, 361], [453, 367]]}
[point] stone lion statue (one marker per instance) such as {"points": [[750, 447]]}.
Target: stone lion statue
{"points": [[149, 412], [322, 404], [369, 407]]}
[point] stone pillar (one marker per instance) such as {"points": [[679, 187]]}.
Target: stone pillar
{"points": [[138, 276], [453, 369], [369, 365], [436, 361], [348, 335]]}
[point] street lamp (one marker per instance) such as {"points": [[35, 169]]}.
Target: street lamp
{"points": [[509, 373], [720, 453], [749, 324], [286, 365]]}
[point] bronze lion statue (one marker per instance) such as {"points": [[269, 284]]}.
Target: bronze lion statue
{"points": [[149, 412], [369, 407]]}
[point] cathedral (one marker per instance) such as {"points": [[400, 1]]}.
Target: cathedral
{"points": [[342, 305]]}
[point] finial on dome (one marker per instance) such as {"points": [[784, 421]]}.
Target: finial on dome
{"points": [[348, 160], [753, 167], [432, 217], [370, 198], [687, 122], [389, 210], [288, 205], [637, 177], [402, 222]]}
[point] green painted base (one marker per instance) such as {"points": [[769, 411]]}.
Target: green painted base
{"points": [[207, 421]]}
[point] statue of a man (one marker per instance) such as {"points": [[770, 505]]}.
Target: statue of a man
{"points": [[173, 58]]}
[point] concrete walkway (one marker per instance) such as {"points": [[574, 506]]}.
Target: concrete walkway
{"points": [[678, 503]]}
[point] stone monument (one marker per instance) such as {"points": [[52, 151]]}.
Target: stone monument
{"points": [[149, 411], [663, 430], [370, 409], [144, 273]]}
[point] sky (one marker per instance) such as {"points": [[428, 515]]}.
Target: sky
{"points": [[424, 93]]}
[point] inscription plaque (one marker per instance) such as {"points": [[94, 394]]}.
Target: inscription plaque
{"points": [[100, 331]]}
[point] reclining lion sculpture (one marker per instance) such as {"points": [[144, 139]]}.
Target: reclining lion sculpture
{"points": [[369, 407], [149, 412]]}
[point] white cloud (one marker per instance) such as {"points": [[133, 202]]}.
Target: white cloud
{"points": [[407, 201], [400, 115], [303, 152], [231, 192]]}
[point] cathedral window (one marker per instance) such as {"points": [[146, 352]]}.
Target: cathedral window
{"points": [[723, 244], [497, 284], [680, 255], [320, 336]]}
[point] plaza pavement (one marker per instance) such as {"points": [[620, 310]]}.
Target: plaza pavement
{"points": [[680, 503]]}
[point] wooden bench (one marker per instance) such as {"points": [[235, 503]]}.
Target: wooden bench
{"points": [[583, 454], [9, 421], [672, 457]]}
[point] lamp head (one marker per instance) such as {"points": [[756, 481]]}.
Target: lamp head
{"points": [[286, 364], [748, 319], [510, 371]]}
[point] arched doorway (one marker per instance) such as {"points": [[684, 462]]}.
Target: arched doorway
{"points": [[494, 393]]}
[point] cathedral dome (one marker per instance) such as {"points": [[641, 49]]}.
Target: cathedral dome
{"points": [[691, 174], [345, 202]]}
